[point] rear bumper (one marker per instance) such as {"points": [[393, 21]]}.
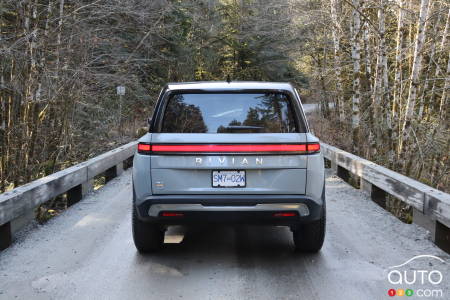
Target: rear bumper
{"points": [[250, 209]]}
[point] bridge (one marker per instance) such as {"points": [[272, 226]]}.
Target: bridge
{"points": [[87, 252]]}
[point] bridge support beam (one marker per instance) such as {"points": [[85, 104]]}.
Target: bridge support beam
{"points": [[9, 229], [333, 165], [113, 172], [128, 163], [365, 186], [22, 221], [343, 173], [442, 237], [77, 193], [440, 233], [327, 163], [5, 235], [424, 221], [376, 194]]}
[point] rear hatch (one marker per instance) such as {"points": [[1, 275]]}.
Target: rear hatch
{"points": [[219, 143]]}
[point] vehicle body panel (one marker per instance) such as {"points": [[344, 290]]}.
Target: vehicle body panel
{"points": [[191, 174], [185, 179]]}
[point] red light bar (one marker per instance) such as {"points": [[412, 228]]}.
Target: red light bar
{"points": [[172, 214], [144, 148], [229, 148], [313, 147], [285, 214]]}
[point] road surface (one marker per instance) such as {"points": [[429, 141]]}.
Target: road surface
{"points": [[87, 253], [311, 107]]}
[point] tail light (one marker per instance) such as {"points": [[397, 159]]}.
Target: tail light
{"points": [[313, 147], [144, 148]]}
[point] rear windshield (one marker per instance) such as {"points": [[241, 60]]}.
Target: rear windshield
{"points": [[229, 113]]}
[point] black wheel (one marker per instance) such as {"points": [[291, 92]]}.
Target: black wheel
{"points": [[148, 237], [309, 237]]}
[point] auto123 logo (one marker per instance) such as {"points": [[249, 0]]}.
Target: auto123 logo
{"points": [[419, 276]]}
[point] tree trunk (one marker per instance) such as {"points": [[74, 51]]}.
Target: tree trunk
{"points": [[431, 59], [438, 70], [414, 82], [380, 82], [444, 98], [356, 59], [58, 39], [398, 78], [337, 31], [368, 56]]}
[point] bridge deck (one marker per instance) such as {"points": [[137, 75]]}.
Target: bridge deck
{"points": [[88, 253]]}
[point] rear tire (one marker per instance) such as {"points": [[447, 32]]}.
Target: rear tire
{"points": [[147, 237], [309, 237]]}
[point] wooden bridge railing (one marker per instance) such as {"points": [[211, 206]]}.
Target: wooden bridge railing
{"points": [[17, 206], [431, 207]]}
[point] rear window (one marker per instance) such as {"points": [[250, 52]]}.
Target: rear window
{"points": [[229, 113]]}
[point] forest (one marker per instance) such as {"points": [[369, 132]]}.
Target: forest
{"points": [[380, 70]]}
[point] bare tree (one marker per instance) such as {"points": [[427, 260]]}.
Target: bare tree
{"points": [[337, 31], [414, 79], [356, 58]]}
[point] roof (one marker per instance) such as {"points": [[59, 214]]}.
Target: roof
{"points": [[232, 86]]}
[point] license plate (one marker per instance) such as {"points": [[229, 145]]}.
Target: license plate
{"points": [[228, 178]]}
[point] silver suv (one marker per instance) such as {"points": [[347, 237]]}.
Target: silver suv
{"points": [[238, 152]]}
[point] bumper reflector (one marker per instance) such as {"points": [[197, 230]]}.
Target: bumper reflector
{"points": [[172, 214], [285, 214]]}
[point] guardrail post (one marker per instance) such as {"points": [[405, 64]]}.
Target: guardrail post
{"points": [[343, 173], [22, 221], [119, 168], [5, 235], [113, 172], [425, 221], [77, 193], [440, 233], [378, 196], [74, 195], [334, 165], [128, 163], [327, 163], [365, 186], [442, 236]]}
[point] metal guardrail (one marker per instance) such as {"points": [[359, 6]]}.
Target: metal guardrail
{"points": [[17, 206], [431, 207]]}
